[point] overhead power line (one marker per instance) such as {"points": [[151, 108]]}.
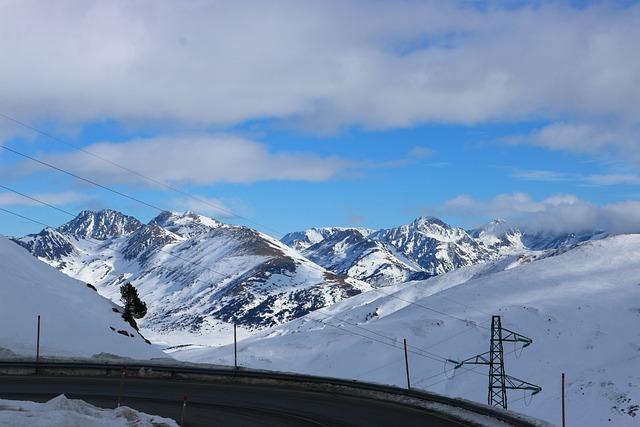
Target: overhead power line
{"points": [[419, 351], [169, 187], [35, 199], [137, 200], [78, 177], [413, 349], [135, 173], [172, 188], [101, 243]]}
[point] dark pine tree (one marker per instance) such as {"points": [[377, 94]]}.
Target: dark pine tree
{"points": [[134, 307]]}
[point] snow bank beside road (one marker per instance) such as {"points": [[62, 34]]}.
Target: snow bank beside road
{"points": [[63, 412]]}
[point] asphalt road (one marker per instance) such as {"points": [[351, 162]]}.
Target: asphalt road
{"points": [[210, 404]]}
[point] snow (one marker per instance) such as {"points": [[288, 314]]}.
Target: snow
{"points": [[581, 307], [63, 412], [196, 274], [75, 320], [424, 248], [301, 240]]}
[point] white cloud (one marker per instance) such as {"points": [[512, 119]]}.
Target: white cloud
{"points": [[613, 179], [198, 160], [318, 64], [211, 206], [420, 152], [590, 138], [542, 175], [558, 213], [604, 179], [56, 199]]}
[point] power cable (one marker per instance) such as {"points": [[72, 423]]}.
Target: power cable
{"points": [[78, 177], [158, 182], [135, 199], [420, 351], [103, 245], [425, 353], [134, 172], [412, 349]]}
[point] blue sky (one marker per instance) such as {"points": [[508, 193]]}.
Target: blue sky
{"points": [[527, 112]]}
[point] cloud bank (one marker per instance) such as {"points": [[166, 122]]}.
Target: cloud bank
{"points": [[198, 160], [322, 65], [562, 213], [202, 160], [210, 206], [56, 199]]}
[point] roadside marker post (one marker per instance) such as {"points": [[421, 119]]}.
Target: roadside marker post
{"points": [[406, 364], [121, 386], [38, 343], [184, 407], [564, 421], [235, 347]]}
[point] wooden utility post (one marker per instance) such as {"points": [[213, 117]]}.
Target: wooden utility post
{"points": [[235, 347], [184, 407], [38, 342], [124, 372], [564, 421], [406, 364]]}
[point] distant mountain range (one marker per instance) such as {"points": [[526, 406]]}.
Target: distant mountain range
{"points": [[419, 250], [199, 276]]}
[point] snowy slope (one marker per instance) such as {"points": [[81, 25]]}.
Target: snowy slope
{"points": [[76, 321], [580, 307], [196, 274]]}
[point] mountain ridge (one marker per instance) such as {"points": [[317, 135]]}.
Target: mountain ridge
{"points": [[198, 275], [423, 248]]}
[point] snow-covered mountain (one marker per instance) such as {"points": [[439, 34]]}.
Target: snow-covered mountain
{"points": [[301, 240], [102, 225], [579, 306], [438, 247], [76, 320], [352, 253], [424, 248], [197, 275]]}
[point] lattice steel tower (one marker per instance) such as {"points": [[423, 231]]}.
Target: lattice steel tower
{"points": [[499, 381], [497, 376]]}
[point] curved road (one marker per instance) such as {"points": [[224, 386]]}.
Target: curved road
{"points": [[211, 404]]}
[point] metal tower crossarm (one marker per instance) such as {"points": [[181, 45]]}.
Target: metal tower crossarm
{"points": [[480, 359], [513, 383], [510, 336]]}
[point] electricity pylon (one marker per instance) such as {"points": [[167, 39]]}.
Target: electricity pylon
{"points": [[499, 381]]}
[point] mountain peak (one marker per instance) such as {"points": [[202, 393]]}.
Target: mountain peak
{"points": [[185, 224], [301, 240], [497, 227], [427, 221], [101, 225]]}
